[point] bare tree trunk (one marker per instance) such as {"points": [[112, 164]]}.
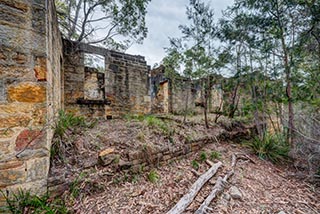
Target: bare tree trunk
{"points": [[288, 80], [206, 97], [205, 110], [272, 123], [219, 110], [234, 103], [186, 104], [254, 98]]}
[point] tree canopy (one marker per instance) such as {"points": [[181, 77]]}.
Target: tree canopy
{"points": [[113, 24]]}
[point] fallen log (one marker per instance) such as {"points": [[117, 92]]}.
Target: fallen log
{"points": [[187, 199], [218, 187]]}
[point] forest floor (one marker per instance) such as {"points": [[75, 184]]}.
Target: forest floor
{"points": [[264, 187]]}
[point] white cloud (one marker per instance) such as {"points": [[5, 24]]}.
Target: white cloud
{"points": [[163, 19]]}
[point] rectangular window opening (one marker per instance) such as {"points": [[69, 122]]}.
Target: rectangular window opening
{"points": [[94, 82]]}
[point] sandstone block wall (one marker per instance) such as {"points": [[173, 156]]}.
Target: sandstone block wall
{"points": [[173, 95], [30, 52], [183, 92], [159, 90], [122, 88]]}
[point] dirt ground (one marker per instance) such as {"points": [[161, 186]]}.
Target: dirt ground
{"points": [[265, 187]]}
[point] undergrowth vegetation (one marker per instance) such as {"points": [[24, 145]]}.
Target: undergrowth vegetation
{"points": [[65, 125], [195, 164], [152, 122], [215, 155], [153, 176], [23, 202], [272, 147]]}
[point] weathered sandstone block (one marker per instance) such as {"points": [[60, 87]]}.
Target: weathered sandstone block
{"points": [[12, 173], [14, 121], [40, 69], [27, 92], [30, 138]]}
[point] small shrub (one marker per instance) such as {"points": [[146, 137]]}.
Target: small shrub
{"points": [[156, 122], [153, 176], [203, 156], [67, 121], [65, 125], [214, 155], [135, 117], [24, 203], [195, 164], [75, 186], [135, 178], [117, 180], [271, 147], [189, 112]]}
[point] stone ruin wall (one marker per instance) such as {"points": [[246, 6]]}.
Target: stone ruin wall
{"points": [[121, 88], [170, 96], [41, 74], [30, 82]]}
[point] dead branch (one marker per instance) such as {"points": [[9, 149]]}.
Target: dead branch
{"points": [[187, 199], [196, 173], [209, 163], [218, 187], [245, 157]]}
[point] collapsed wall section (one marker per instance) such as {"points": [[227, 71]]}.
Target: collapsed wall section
{"points": [[30, 55]]}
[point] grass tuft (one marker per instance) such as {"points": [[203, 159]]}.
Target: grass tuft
{"points": [[195, 164], [203, 156], [153, 176], [215, 155], [65, 125], [23, 202], [271, 147]]}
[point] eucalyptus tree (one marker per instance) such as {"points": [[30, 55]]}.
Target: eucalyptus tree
{"points": [[197, 46], [309, 51], [103, 21], [275, 21]]}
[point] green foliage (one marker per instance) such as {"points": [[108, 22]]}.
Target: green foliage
{"points": [[75, 186], [189, 112], [195, 164], [67, 121], [24, 203], [131, 176], [135, 178], [272, 147], [203, 156], [215, 155], [134, 117], [82, 21], [64, 126], [152, 121], [153, 176]]}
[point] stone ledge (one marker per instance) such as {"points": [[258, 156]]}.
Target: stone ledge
{"points": [[93, 102]]}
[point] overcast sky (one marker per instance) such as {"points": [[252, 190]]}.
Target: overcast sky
{"points": [[163, 19]]}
